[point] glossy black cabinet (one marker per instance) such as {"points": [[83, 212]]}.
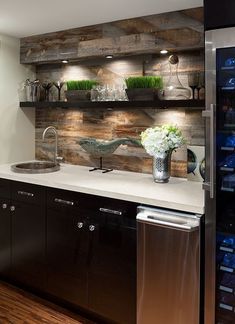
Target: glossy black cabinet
{"points": [[219, 14], [67, 248], [112, 265], [28, 214], [91, 253], [76, 248]]}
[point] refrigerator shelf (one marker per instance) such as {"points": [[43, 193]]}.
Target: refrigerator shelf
{"points": [[227, 88], [226, 289], [229, 125], [227, 148], [226, 306], [226, 249], [227, 68], [227, 169], [226, 269], [227, 189]]}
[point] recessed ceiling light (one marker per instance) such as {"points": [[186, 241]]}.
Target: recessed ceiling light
{"points": [[164, 51], [109, 56], [65, 61]]}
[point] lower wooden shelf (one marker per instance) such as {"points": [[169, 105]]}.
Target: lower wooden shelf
{"points": [[161, 104]]}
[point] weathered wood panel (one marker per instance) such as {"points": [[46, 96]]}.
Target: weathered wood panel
{"points": [[146, 34], [106, 124]]}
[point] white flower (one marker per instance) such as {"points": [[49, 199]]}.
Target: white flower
{"points": [[159, 140]]}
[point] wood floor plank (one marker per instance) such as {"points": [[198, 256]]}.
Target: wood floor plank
{"points": [[20, 307]]}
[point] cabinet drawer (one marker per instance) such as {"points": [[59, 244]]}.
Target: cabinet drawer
{"points": [[57, 198], [28, 193], [5, 188], [64, 199], [116, 207]]}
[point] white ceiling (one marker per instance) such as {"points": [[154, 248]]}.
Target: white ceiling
{"points": [[21, 18]]}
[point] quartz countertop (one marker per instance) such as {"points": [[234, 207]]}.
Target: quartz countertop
{"points": [[177, 194]]}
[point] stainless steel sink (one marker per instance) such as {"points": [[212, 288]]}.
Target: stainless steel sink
{"points": [[35, 167]]}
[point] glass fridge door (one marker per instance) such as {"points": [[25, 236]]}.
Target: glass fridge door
{"points": [[225, 192]]}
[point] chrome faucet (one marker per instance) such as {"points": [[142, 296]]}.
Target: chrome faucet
{"points": [[57, 159]]}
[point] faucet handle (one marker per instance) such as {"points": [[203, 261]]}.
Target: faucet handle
{"points": [[59, 159]]}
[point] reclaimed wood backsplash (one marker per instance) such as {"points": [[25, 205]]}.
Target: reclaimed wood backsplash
{"points": [[178, 30], [106, 124]]}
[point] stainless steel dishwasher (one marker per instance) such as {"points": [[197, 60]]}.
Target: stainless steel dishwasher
{"points": [[168, 289]]}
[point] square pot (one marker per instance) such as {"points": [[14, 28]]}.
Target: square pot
{"points": [[142, 94], [78, 95]]}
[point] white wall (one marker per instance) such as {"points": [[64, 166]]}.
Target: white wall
{"points": [[17, 127]]}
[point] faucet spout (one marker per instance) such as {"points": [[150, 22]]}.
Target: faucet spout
{"points": [[53, 130]]}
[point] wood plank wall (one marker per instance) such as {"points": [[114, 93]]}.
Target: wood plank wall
{"points": [[178, 30], [108, 124]]}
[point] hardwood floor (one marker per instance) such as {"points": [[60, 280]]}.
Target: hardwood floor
{"points": [[20, 307]]}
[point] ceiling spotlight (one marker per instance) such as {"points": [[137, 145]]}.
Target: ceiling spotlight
{"points": [[65, 61], [109, 56], [164, 51]]}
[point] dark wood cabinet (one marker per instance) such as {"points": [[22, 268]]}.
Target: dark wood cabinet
{"points": [[219, 14], [77, 248]]}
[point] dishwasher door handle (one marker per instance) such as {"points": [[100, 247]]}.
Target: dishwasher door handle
{"points": [[189, 225]]}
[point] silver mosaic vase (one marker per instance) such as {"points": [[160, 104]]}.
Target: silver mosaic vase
{"points": [[162, 167]]}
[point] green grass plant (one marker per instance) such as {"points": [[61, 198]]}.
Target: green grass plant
{"points": [[144, 82], [81, 84]]}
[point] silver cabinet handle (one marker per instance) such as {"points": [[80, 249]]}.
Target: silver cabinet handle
{"points": [[110, 211], [211, 115], [4, 206], [91, 228], [80, 225], [12, 208], [25, 193], [169, 221], [64, 202]]}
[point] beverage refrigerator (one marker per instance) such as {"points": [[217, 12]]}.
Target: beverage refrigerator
{"points": [[220, 176]]}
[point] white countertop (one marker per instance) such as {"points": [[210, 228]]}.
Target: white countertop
{"points": [[178, 194]]}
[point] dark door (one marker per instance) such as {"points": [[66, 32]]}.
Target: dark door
{"points": [[67, 247], [225, 186], [112, 268], [219, 14], [28, 234]]}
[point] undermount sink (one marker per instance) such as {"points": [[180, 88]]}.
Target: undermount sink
{"points": [[35, 167]]}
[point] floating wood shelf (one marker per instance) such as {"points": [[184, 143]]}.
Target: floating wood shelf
{"points": [[161, 104]]}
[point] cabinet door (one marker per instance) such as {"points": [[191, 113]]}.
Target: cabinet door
{"points": [[219, 14], [5, 238], [112, 269], [28, 234], [67, 248], [5, 228]]}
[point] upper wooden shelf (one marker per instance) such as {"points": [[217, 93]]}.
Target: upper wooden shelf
{"points": [[161, 104]]}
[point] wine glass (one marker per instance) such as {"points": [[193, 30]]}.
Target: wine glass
{"points": [[47, 86], [59, 86], [193, 81], [201, 85]]}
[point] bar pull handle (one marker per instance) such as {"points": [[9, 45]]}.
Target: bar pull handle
{"points": [[184, 225], [211, 184], [64, 202], [25, 193], [110, 211]]}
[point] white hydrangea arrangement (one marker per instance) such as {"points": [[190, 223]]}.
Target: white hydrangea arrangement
{"points": [[159, 140]]}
